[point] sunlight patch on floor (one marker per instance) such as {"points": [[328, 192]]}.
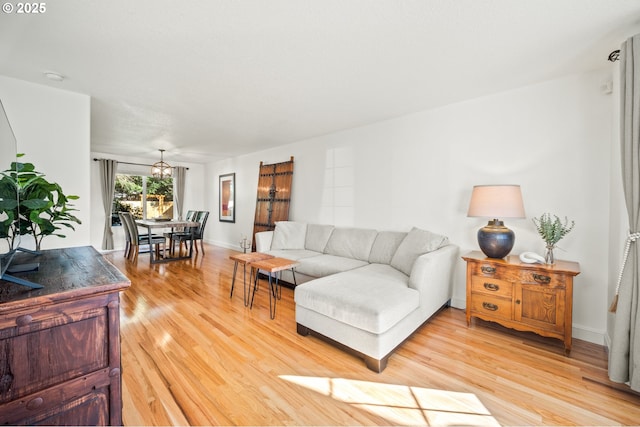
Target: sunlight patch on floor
{"points": [[400, 404]]}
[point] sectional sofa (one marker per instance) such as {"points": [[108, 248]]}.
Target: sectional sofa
{"points": [[363, 290]]}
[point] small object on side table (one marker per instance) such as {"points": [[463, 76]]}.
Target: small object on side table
{"points": [[245, 244]]}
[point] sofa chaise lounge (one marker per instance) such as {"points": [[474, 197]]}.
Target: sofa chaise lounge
{"points": [[363, 290]]}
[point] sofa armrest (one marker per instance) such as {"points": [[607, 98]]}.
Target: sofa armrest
{"points": [[432, 274], [263, 241]]}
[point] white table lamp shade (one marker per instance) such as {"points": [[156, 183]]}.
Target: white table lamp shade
{"points": [[496, 201]]}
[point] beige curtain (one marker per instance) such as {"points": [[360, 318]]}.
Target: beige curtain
{"points": [[107, 182], [179, 173], [624, 357]]}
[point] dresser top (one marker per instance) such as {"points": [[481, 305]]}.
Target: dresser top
{"points": [[66, 273], [560, 266]]}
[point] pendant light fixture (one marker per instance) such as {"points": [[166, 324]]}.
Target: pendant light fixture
{"points": [[161, 169]]}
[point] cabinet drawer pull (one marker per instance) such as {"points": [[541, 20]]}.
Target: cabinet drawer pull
{"points": [[489, 306], [35, 403], [491, 287], [541, 278], [487, 270], [24, 320]]}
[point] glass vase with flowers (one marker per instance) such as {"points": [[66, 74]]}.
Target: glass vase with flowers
{"points": [[552, 229]]}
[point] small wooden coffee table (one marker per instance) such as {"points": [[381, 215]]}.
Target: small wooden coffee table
{"points": [[271, 266], [244, 259]]}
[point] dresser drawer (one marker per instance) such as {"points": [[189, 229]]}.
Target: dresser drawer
{"points": [[489, 270], [49, 346], [491, 306], [550, 280], [73, 400], [491, 286]]}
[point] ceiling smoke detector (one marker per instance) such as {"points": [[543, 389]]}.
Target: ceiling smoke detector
{"points": [[56, 77]]}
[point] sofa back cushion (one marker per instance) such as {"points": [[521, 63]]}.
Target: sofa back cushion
{"points": [[416, 243], [353, 243], [385, 246], [289, 235], [317, 237]]}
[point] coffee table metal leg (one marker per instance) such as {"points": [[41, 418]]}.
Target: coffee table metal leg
{"points": [[233, 279], [255, 286], [246, 296], [272, 295], [278, 293]]}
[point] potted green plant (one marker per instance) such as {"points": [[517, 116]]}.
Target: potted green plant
{"points": [[43, 207], [552, 230]]}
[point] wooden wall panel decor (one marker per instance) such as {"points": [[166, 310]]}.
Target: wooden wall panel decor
{"points": [[274, 196]]}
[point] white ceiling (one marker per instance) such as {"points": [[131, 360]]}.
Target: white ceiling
{"points": [[212, 79]]}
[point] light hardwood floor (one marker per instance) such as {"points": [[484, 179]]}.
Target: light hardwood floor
{"points": [[193, 356]]}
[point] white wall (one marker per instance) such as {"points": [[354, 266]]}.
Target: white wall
{"points": [[52, 129], [553, 138], [194, 192]]}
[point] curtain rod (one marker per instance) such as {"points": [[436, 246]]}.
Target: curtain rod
{"points": [[129, 163]]}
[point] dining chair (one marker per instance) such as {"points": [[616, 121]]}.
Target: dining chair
{"points": [[195, 234], [169, 234], [138, 239], [127, 235]]}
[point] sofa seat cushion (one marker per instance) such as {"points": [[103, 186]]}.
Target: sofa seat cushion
{"points": [[294, 254], [325, 265], [372, 298]]}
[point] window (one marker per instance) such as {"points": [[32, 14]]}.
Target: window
{"points": [[143, 196]]}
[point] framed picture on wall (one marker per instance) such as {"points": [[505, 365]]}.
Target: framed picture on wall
{"points": [[228, 197]]}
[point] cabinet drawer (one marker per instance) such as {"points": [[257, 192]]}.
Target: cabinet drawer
{"points": [[491, 286], [489, 270], [491, 306], [36, 358], [543, 278], [45, 316], [83, 401]]}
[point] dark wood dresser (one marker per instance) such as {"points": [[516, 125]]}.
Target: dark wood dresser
{"points": [[60, 345]]}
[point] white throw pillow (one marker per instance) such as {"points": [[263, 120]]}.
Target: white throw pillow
{"points": [[289, 235], [385, 246], [351, 242], [416, 243]]}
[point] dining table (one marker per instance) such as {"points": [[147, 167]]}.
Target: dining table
{"points": [[154, 224]]}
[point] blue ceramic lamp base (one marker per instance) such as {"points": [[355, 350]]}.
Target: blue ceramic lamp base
{"points": [[496, 240]]}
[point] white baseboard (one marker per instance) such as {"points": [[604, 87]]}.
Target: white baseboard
{"points": [[588, 334], [224, 245], [459, 303]]}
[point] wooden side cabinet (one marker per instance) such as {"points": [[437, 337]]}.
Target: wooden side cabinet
{"points": [[60, 345], [527, 297]]}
